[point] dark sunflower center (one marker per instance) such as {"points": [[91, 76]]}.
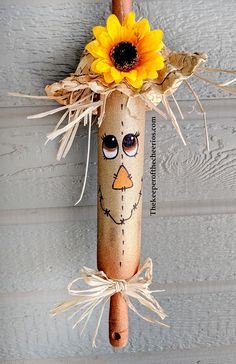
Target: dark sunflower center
{"points": [[124, 56]]}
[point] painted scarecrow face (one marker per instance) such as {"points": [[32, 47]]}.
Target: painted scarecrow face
{"points": [[121, 169]]}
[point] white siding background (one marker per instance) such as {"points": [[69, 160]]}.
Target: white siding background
{"points": [[44, 240]]}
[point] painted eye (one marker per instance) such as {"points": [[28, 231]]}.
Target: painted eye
{"points": [[110, 146], [130, 144]]}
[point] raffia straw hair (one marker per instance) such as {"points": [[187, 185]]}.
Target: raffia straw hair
{"points": [[83, 94]]}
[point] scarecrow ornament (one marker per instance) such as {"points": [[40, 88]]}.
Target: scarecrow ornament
{"points": [[125, 70]]}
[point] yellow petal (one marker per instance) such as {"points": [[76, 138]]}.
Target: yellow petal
{"points": [[98, 30], [159, 62], [117, 76], [105, 40], [131, 75], [100, 66], [146, 57], [113, 27], [129, 20], [123, 33], [161, 45], [93, 65], [96, 50], [155, 62], [142, 28], [142, 73], [151, 74], [136, 84], [127, 35], [108, 77], [151, 41]]}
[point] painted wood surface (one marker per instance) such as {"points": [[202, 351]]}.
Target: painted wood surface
{"points": [[44, 240]]}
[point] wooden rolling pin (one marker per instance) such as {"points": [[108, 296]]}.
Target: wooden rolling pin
{"points": [[120, 182]]}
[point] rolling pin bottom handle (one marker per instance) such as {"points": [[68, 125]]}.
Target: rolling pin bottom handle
{"points": [[118, 321]]}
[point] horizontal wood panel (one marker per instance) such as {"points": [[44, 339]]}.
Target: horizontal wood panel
{"points": [[42, 42], [28, 168], [63, 214], [213, 355], [44, 241], [184, 249], [197, 321]]}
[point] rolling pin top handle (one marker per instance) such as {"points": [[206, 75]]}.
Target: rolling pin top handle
{"points": [[121, 8]]}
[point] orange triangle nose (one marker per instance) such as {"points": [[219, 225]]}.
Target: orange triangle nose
{"points": [[122, 179]]}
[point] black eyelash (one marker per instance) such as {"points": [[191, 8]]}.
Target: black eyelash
{"points": [[103, 136], [137, 134]]}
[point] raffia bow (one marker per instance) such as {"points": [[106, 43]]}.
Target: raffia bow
{"points": [[102, 288]]}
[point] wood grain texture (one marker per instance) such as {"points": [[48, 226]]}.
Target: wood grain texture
{"points": [[184, 249], [44, 241], [197, 321], [119, 202], [184, 173], [213, 355], [43, 244], [42, 42]]}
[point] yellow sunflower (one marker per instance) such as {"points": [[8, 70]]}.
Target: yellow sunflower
{"points": [[127, 51]]}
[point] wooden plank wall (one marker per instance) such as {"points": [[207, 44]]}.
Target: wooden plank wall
{"points": [[44, 240]]}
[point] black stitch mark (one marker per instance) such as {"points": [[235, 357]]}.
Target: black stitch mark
{"points": [[107, 212], [122, 156], [120, 264], [123, 231], [121, 106], [122, 220], [123, 242], [122, 207], [122, 123], [123, 252], [122, 198]]}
